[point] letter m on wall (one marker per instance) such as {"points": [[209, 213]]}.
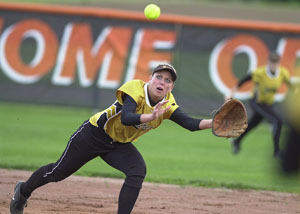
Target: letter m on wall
{"points": [[106, 56]]}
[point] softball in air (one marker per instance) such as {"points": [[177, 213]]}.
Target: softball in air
{"points": [[152, 11]]}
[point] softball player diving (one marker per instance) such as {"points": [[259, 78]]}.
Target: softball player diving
{"points": [[139, 108], [268, 80]]}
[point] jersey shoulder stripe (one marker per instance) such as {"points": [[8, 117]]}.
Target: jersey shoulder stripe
{"points": [[101, 118]]}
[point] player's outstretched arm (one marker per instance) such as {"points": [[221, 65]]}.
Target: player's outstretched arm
{"points": [[129, 117], [190, 123]]}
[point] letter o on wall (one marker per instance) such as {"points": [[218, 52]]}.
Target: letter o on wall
{"points": [[45, 55]]}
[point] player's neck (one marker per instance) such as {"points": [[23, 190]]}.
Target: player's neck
{"points": [[152, 102]]}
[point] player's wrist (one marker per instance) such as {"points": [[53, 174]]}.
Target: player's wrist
{"points": [[205, 124], [147, 117]]}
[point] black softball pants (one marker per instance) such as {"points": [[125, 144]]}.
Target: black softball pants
{"points": [[81, 148], [261, 111]]}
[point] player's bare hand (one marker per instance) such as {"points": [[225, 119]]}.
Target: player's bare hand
{"points": [[159, 110]]}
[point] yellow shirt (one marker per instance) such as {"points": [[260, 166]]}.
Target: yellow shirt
{"points": [[138, 90], [267, 84]]}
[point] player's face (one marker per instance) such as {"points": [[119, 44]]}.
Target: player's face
{"points": [[273, 66], [159, 85]]}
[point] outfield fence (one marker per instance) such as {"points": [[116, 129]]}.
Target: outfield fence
{"points": [[80, 55]]}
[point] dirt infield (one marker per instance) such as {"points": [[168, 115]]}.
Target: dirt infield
{"points": [[79, 195]]}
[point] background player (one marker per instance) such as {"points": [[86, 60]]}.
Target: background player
{"points": [[268, 80], [139, 108]]}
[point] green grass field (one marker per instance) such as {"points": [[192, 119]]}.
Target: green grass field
{"points": [[34, 135]]}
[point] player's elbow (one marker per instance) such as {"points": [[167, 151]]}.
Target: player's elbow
{"points": [[130, 119], [124, 120]]}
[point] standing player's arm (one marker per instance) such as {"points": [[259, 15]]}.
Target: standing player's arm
{"points": [[293, 81], [129, 116], [236, 87], [294, 84], [187, 122]]}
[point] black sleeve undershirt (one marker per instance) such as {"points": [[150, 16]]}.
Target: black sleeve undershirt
{"points": [[245, 79], [185, 121], [129, 116]]}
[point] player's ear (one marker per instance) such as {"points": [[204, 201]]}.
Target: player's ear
{"points": [[150, 78], [170, 90]]}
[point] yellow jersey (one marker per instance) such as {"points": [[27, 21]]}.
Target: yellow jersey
{"points": [[138, 90], [267, 84]]}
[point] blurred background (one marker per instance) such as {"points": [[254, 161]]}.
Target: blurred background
{"points": [[60, 63]]}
